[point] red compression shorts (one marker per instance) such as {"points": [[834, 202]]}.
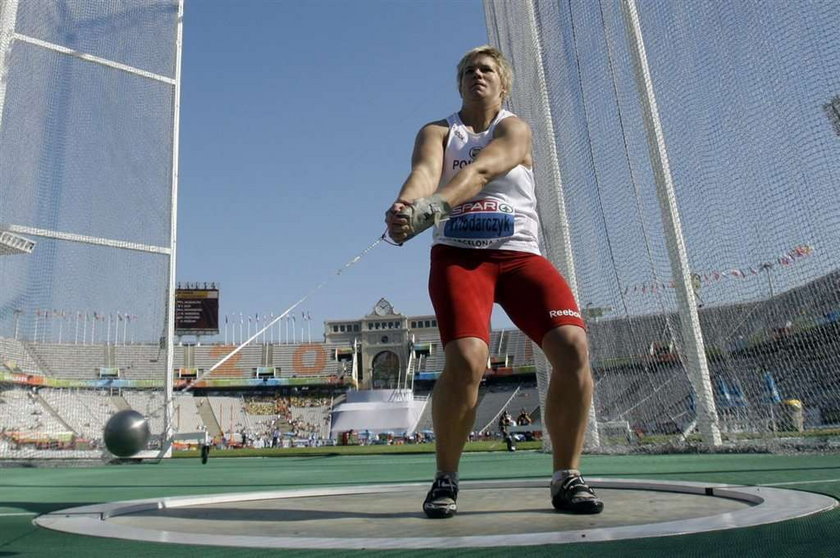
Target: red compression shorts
{"points": [[464, 283]]}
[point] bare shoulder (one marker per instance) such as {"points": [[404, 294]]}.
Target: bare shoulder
{"points": [[434, 129], [516, 133], [429, 144], [512, 125], [432, 136]]}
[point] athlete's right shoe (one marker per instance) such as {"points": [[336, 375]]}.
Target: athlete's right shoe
{"points": [[440, 501], [574, 495]]}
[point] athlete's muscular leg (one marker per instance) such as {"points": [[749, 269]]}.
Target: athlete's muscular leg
{"points": [[455, 398], [569, 393]]}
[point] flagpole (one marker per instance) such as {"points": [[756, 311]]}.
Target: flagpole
{"points": [[18, 312]]}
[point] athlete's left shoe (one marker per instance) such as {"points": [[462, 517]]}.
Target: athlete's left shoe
{"points": [[440, 501], [572, 494]]}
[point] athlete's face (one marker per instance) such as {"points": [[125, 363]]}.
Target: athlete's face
{"points": [[481, 79]]}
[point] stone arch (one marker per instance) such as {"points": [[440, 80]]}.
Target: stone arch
{"points": [[385, 370]]}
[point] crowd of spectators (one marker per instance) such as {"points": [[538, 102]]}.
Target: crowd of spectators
{"points": [[281, 422]]}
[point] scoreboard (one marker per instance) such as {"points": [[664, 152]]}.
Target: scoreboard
{"points": [[197, 311]]}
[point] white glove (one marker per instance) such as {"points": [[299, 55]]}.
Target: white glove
{"points": [[423, 213]]}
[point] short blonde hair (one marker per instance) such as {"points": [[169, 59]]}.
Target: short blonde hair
{"points": [[505, 71]]}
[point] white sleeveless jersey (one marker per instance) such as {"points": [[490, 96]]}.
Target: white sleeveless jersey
{"points": [[503, 216]]}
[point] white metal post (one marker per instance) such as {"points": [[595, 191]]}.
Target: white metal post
{"points": [[694, 350], [170, 313], [355, 371], [8, 21]]}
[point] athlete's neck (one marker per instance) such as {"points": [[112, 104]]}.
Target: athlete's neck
{"points": [[479, 117]]}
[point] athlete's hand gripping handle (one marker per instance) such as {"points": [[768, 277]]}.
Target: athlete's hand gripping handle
{"points": [[417, 216]]}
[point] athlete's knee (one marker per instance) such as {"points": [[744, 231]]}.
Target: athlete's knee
{"points": [[466, 359], [566, 348]]}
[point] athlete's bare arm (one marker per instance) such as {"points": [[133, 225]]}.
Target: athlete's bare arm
{"points": [[426, 170], [426, 162], [510, 146]]}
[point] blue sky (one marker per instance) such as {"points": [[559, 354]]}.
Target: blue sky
{"points": [[297, 123]]}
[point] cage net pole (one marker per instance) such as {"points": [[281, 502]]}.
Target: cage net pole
{"points": [[168, 427], [692, 337], [8, 16]]}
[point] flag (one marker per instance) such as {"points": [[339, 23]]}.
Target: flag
{"points": [[738, 394], [773, 394], [726, 396]]}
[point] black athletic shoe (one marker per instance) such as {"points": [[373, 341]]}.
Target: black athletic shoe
{"points": [[574, 495], [440, 501]]}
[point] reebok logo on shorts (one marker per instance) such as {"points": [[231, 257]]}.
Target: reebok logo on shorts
{"points": [[561, 313]]}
